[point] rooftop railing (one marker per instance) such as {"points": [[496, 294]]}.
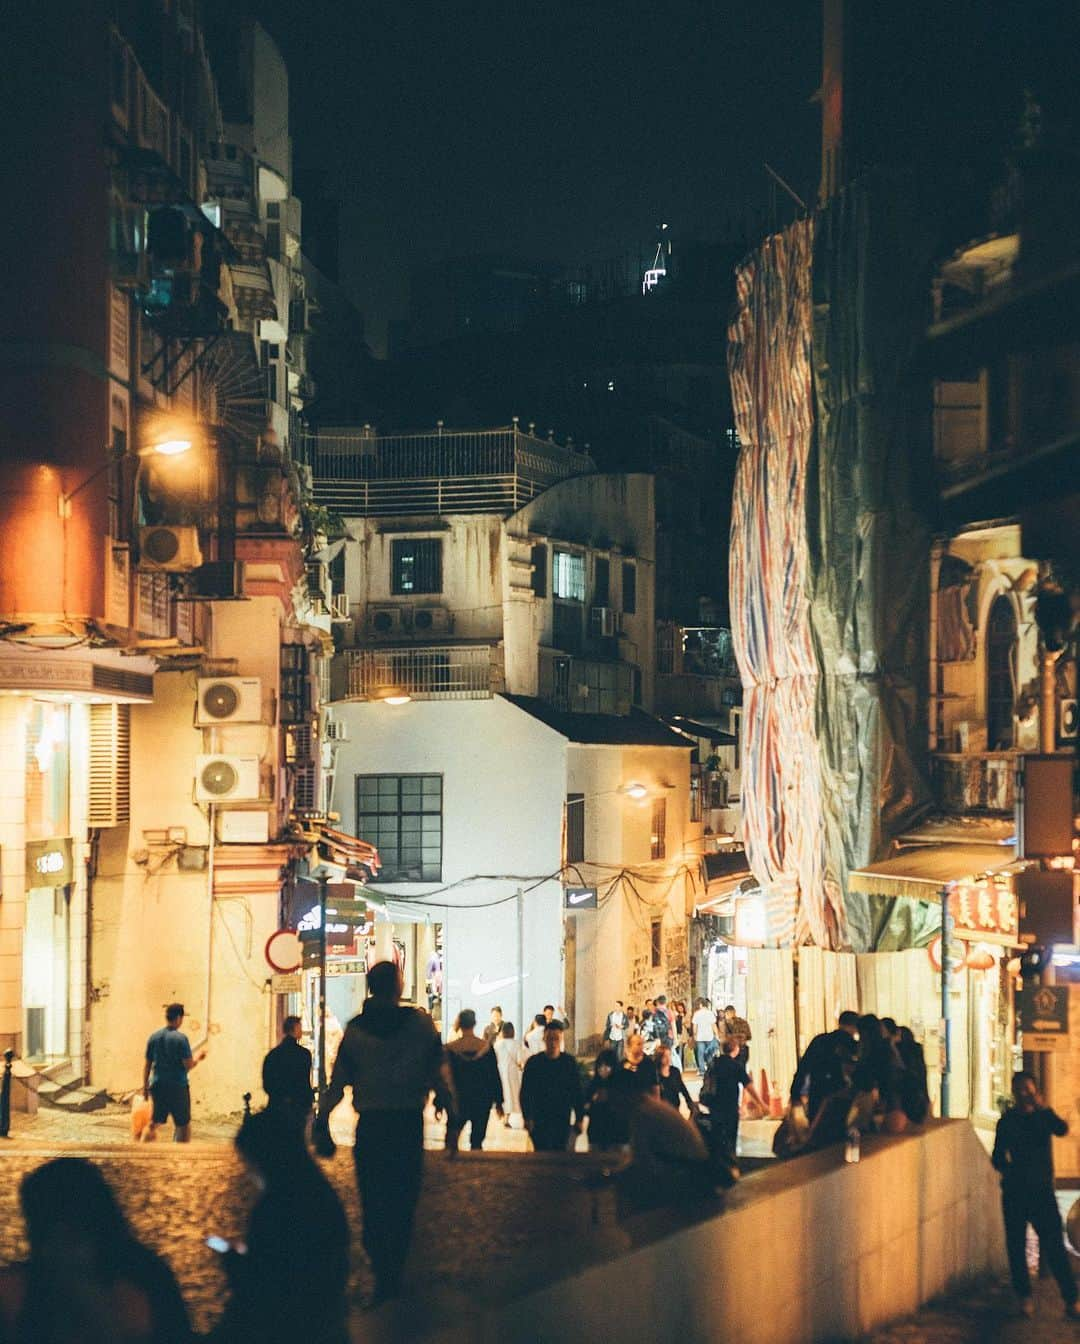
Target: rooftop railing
{"points": [[359, 473], [446, 672]]}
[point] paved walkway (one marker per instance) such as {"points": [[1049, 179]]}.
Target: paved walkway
{"points": [[986, 1314]]}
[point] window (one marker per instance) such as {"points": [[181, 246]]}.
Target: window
{"points": [[416, 566], [560, 683], [602, 583], [566, 632], [656, 943], [629, 588], [539, 570], [575, 828], [658, 836], [695, 793], [401, 815], [568, 576], [1000, 699]]}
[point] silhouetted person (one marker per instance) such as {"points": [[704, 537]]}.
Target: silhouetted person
{"points": [[551, 1093], [286, 1076], [914, 1090], [87, 1279], [392, 1059], [1023, 1156], [827, 1064], [474, 1071], [669, 1163], [607, 1131], [165, 1075], [720, 1094], [290, 1274]]}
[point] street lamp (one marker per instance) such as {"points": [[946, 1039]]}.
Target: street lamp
{"points": [[168, 445], [392, 695]]}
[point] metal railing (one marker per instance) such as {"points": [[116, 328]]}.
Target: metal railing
{"points": [[359, 473], [977, 781], [446, 672]]}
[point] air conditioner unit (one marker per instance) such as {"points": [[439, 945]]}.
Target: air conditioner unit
{"points": [[383, 622], [1067, 721], [431, 620], [241, 826], [339, 606], [603, 622], [172, 549], [335, 731], [226, 779], [228, 700]]}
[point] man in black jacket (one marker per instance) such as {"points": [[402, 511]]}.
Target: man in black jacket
{"points": [[1022, 1155], [474, 1072], [286, 1076], [550, 1092], [826, 1065]]}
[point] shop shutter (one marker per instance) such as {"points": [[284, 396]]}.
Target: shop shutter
{"points": [[110, 764]]}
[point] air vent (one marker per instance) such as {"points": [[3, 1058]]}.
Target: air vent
{"points": [[109, 765]]}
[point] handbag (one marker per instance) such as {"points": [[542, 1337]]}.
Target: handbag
{"points": [[141, 1115]]}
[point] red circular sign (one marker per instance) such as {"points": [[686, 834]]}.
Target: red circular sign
{"points": [[284, 951]]}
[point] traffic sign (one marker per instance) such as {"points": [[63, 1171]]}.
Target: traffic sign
{"points": [[283, 951], [286, 984]]}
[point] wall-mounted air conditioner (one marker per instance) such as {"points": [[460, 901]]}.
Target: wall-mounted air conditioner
{"points": [[226, 779], [339, 606], [431, 620], [336, 731], [228, 700], [172, 549], [384, 622]]}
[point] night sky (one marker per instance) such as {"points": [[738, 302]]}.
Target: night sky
{"points": [[559, 130], [565, 130]]}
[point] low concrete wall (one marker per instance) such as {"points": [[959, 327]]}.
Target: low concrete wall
{"points": [[811, 1249]]}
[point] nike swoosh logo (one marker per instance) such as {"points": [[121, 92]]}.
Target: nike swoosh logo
{"points": [[579, 898], [478, 985]]}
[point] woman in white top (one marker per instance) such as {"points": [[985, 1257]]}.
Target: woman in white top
{"points": [[508, 1055]]}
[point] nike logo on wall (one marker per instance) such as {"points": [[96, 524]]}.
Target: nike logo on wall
{"points": [[579, 898], [478, 985]]}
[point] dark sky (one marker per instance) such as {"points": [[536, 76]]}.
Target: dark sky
{"points": [[548, 129]]}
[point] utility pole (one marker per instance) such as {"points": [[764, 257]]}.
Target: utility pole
{"points": [[521, 959], [946, 1025], [323, 880]]}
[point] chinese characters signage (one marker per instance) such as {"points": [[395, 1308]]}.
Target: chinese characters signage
{"points": [[984, 910]]}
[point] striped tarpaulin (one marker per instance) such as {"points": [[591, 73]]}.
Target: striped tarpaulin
{"points": [[770, 373]]}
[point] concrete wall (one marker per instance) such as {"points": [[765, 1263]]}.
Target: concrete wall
{"points": [[504, 781], [806, 1250]]}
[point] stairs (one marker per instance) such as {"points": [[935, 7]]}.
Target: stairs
{"points": [[61, 1089]]}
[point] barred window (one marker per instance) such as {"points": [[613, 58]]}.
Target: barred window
{"points": [[416, 565], [401, 815]]}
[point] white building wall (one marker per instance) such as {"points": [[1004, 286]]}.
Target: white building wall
{"points": [[504, 780]]}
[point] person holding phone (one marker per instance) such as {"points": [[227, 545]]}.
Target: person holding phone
{"points": [[165, 1076]]}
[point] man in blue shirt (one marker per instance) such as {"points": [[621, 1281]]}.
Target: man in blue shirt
{"points": [[165, 1075]]}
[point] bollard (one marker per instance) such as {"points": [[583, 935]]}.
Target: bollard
{"points": [[5, 1096], [247, 1104]]}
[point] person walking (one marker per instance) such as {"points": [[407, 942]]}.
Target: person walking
{"points": [[286, 1076], [534, 1037], [289, 1279], [165, 1076], [1022, 1154], [640, 1065], [510, 1059], [703, 1026], [607, 1131], [663, 1027], [670, 1081], [551, 1093], [615, 1029], [392, 1059], [474, 1072], [493, 1030], [731, 1024], [669, 1163], [720, 1096]]}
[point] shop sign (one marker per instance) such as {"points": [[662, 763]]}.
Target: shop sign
{"points": [[339, 967], [48, 863], [984, 910], [1044, 1012], [580, 898]]}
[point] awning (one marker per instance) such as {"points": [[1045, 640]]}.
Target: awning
{"points": [[717, 736], [346, 851], [921, 873], [725, 873]]}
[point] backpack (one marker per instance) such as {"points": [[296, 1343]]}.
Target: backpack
{"points": [[660, 1022]]}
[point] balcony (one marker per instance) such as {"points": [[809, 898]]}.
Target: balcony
{"points": [[445, 672], [360, 474], [974, 782]]}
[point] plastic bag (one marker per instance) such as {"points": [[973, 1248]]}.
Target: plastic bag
{"points": [[141, 1111]]}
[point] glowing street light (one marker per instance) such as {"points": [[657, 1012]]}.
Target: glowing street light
{"points": [[635, 790], [171, 447]]}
